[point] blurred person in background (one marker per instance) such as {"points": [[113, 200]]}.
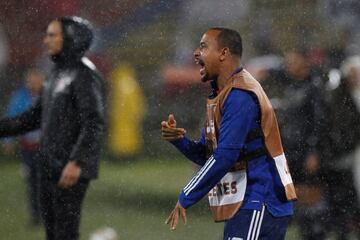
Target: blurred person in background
{"points": [[126, 113], [339, 149], [244, 171], [300, 108], [70, 114], [268, 70], [20, 101]]}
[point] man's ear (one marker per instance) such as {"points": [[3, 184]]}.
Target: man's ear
{"points": [[224, 53]]}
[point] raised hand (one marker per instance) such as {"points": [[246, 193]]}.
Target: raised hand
{"points": [[169, 131]]}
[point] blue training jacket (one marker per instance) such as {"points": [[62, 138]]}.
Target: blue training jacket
{"points": [[241, 114]]}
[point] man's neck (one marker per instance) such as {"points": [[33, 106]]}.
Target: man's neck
{"points": [[226, 73], [303, 74]]}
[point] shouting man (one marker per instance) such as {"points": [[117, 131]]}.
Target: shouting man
{"points": [[244, 171]]}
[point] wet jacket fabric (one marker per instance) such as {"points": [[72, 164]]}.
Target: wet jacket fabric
{"points": [[70, 114], [343, 127], [70, 110], [301, 114]]}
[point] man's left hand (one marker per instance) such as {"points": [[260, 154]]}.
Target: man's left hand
{"points": [[70, 175], [173, 219]]}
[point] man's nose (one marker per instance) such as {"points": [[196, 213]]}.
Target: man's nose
{"points": [[196, 52]]}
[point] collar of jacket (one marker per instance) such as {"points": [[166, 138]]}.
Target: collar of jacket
{"points": [[214, 86], [64, 60]]}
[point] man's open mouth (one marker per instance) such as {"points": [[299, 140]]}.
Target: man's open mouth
{"points": [[202, 64]]}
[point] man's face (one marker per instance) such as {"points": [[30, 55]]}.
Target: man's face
{"points": [[295, 63], [54, 38], [207, 55]]}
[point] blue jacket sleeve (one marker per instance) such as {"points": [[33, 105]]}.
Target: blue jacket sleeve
{"points": [[240, 111], [19, 102], [23, 123], [193, 150]]}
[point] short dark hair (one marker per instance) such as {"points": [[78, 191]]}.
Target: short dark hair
{"points": [[229, 38]]}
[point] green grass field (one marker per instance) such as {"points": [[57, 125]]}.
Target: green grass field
{"points": [[134, 198]]}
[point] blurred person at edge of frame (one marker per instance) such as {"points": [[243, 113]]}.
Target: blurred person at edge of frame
{"points": [[297, 95], [341, 149], [70, 114], [21, 100]]}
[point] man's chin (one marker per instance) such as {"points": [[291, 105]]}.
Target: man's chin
{"points": [[52, 53], [54, 57], [205, 78]]}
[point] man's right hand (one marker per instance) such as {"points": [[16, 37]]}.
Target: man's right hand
{"points": [[169, 131]]}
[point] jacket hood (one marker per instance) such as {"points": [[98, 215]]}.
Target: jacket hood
{"points": [[78, 35]]}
